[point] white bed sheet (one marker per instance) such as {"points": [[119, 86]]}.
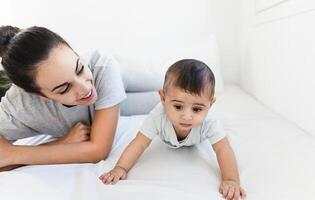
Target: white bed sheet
{"points": [[276, 161]]}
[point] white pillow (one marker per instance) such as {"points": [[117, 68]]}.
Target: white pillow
{"points": [[139, 103], [142, 74]]}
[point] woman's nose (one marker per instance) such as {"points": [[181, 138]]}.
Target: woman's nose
{"points": [[83, 87]]}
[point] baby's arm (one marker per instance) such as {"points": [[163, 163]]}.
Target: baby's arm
{"points": [[230, 186], [128, 158]]}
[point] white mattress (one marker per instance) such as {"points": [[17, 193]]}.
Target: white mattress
{"points": [[276, 161]]}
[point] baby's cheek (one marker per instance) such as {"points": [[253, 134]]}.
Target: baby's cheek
{"points": [[172, 116], [199, 120]]}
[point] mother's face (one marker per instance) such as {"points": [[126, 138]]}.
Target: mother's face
{"points": [[65, 78]]}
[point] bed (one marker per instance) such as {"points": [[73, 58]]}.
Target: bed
{"points": [[276, 161]]}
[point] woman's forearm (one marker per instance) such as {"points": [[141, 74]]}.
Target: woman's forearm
{"points": [[54, 142], [95, 149], [56, 154], [8, 168]]}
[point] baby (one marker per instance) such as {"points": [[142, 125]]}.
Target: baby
{"points": [[182, 119]]}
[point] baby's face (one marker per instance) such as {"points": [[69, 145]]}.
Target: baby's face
{"points": [[184, 110]]}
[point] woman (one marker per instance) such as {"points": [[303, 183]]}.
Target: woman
{"points": [[59, 93]]}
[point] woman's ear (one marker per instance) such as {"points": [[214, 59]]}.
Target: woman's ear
{"points": [[42, 96], [162, 95]]}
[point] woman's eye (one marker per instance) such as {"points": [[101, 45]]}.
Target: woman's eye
{"points": [[81, 70], [178, 107], [196, 110], [65, 90]]}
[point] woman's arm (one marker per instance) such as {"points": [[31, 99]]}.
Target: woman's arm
{"points": [[78, 133], [97, 148], [8, 168]]}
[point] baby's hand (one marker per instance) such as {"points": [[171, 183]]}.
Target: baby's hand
{"points": [[114, 175], [231, 190]]}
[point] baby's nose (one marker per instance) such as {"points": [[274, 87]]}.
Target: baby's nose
{"points": [[187, 115]]}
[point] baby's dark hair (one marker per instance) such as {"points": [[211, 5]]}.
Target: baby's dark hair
{"points": [[22, 50], [192, 76]]}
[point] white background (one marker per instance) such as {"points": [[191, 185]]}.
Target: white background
{"points": [[137, 26], [269, 53], [278, 58]]}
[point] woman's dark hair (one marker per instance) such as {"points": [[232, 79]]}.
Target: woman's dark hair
{"points": [[4, 83], [22, 50], [192, 76]]}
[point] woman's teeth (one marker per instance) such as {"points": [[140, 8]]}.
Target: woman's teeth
{"points": [[88, 95]]}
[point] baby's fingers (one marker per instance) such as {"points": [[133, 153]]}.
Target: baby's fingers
{"points": [[124, 176], [230, 193], [103, 176], [224, 190], [221, 190], [236, 194], [106, 178], [115, 180], [243, 193], [110, 179]]}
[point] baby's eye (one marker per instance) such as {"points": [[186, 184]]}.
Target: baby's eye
{"points": [[196, 110], [178, 107]]}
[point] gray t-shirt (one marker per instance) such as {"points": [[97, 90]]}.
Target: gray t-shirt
{"points": [[23, 114], [157, 123]]}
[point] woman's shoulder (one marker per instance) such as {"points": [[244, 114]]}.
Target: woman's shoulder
{"points": [[13, 94], [17, 99], [107, 79], [103, 67], [96, 60]]}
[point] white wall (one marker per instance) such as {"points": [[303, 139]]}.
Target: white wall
{"points": [[269, 44], [4, 15], [278, 57], [134, 27]]}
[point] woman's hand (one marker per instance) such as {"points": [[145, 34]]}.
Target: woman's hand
{"points": [[114, 175], [79, 133], [231, 190]]}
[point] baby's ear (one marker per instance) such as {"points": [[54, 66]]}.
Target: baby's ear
{"points": [[213, 101], [162, 95]]}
